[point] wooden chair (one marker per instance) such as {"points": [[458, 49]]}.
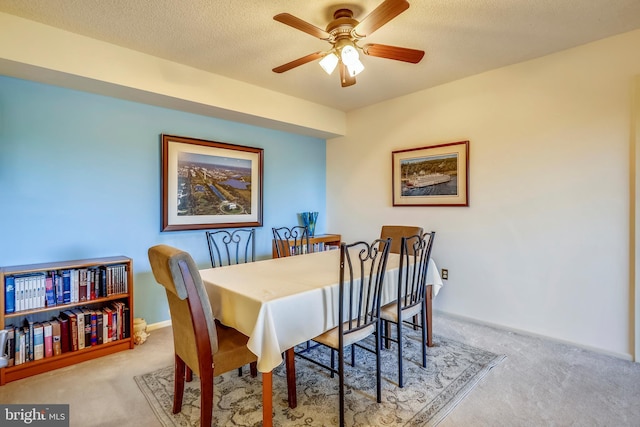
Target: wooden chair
{"points": [[291, 241], [228, 248], [396, 232], [415, 252], [358, 310], [202, 345]]}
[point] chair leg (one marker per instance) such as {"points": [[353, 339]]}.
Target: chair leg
{"points": [[378, 364], [178, 384], [425, 336], [400, 367], [429, 314], [353, 355], [206, 399], [341, 381], [387, 339], [240, 371], [332, 362], [253, 368], [189, 374]]}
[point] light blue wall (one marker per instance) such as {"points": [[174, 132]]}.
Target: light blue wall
{"points": [[80, 178]]}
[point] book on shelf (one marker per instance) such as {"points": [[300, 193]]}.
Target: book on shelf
{"points": [[93, 327], [65, 333], [11, 345], [91, 284], [82, 284], [106, 324], [75, 279], [119, 309], [66, 286], [38, 341], [72, 322], [126, 324], [99, 326], [56, 337], [19, 341], [80, 333], [50, 291], [48, 339], [28, 339], [57, 283], [9, 294]]}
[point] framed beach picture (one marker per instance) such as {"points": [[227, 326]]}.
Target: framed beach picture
{"points": [[436, 175], [210, 184]]}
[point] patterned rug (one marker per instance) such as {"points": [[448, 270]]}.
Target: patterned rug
{"points": [[429, 394]]}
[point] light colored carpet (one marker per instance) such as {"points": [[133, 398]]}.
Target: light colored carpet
{"points": [[429, 394]]}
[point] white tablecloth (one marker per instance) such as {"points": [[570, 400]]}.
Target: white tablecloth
{"points": [[279, 303]]}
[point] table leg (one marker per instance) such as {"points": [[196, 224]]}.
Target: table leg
{"points": [[267, 399], [290, 361], [429, 315]]}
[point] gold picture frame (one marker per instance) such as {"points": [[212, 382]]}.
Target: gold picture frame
{"points": [[436, 175]]}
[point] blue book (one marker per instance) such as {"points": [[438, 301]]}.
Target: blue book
{"points": [[9, 294], [57, 283], [66, 286]]}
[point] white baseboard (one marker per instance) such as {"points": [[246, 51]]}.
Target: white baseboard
{"points": [[158, 325], [624, 356]]}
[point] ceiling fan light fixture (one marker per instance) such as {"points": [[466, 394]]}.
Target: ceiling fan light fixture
{"points": [[329, 63], [351, 58], [355, 68], [349, 54]]}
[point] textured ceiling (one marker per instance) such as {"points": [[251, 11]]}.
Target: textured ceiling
{"points": [[239, 38]]}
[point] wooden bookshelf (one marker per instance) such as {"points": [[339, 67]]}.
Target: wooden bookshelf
{"points": [[34, 367], [317, 243]]}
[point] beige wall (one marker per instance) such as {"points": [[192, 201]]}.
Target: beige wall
{"points": [[544, 245]]}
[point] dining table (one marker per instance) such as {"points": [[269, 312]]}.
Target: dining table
{"points": [[282, 302]]}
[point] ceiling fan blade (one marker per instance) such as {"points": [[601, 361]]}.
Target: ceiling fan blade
{"points": [[384, 13], [393, 52], [301, 25], [300, 61], [345, 78]]}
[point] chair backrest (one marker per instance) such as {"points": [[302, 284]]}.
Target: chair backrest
{"points": [[228, 248], [291, 241], [397, 232], [194, 333], [415, 252], [362, 271]]}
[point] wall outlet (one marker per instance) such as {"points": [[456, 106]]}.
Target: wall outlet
{"points": [[445, 274]]}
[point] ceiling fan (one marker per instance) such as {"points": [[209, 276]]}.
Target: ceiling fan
{"points": [[344, 33]]}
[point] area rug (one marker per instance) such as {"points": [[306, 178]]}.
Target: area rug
{"points": [[429, 394]]}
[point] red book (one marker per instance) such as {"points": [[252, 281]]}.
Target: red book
{"points": [[73, 329], [65, 338]]}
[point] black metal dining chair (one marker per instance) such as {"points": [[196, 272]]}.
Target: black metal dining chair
{"points": [[362, 271], [229, 248], [415, 252], [290, 241]]}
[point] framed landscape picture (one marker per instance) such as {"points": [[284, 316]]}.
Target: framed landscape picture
{"points": [[209, 184], [437, 175]]}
